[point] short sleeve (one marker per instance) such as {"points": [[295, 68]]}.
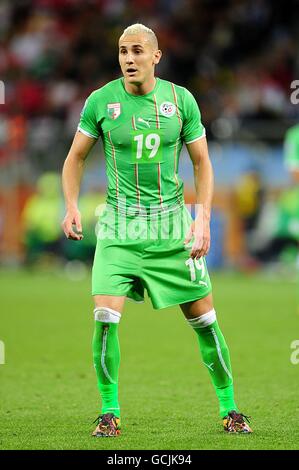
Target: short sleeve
{"points": [[192, 126], [88, 124], [291, 149]]}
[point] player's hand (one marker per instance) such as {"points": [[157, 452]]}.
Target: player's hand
{"points": [[200, 231], [71, 225]]}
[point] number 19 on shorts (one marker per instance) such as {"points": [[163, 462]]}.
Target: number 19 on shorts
{"points": [[197, 270]]}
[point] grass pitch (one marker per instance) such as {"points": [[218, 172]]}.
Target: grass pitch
{"points": [[48, 389]]}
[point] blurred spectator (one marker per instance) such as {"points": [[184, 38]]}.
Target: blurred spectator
{"points": [[248, 200], [284, 241], [284, 238], [42, 218]]}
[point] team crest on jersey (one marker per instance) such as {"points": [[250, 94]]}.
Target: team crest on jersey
{"points": [[113, 110], [167, 109]]}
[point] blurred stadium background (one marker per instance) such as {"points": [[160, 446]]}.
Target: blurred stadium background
{"points": [[239, 58]]}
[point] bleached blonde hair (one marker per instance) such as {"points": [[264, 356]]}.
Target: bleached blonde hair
{"points": [[139, 28]]}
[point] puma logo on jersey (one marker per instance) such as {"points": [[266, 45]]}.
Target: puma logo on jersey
{"points": [[203, 283], [145, 122]]}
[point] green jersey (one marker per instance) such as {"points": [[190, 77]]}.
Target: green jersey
{"points": [[291, 147], [142, 138]]}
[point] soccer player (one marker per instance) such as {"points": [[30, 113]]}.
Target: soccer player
{"points": [[291, 152], [291, 158], [143, 122]]}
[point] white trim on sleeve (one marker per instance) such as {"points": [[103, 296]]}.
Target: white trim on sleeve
{"points": [[86, 133], [197, 138]]}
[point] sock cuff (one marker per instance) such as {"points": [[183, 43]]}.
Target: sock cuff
{"points": [[106, 315], [203, 320]]}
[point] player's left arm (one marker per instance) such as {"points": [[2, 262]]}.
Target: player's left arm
{"points": [[204, 186]]}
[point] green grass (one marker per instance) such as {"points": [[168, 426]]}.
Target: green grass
{"points": [[48, 389]]}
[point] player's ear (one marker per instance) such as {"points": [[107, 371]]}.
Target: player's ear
{"points": [[157, 56]]}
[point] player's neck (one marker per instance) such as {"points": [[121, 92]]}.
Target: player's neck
{"points": [[140, 89]]}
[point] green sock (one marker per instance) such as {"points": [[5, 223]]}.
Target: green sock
{"points": [[215, 355], [106, 357]]}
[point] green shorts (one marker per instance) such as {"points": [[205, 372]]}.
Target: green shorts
{"points": [[137, 253]]}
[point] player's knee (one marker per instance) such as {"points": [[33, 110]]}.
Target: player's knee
{"points": [[106, 315], [109, 301]]}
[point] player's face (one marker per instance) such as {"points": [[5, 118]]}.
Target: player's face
{"points": [[137, 58]]}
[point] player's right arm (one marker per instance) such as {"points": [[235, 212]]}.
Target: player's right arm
{"points": [[71, 181]]}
